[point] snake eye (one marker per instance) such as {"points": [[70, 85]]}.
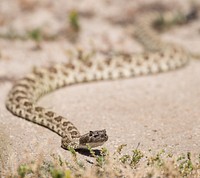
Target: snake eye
{"points": [[90, 133]]}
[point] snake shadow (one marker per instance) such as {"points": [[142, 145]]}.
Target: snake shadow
{"points": [[86, 152]]}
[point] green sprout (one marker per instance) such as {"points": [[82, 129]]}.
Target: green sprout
{"points": [[74, 20], [35, 34]]}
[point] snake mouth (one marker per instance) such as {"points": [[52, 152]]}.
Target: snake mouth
{"points": [[91, 145]]}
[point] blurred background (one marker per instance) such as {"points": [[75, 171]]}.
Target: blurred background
{"points": [[56, 27]]}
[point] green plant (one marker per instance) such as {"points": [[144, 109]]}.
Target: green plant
{"points": [[185, 164], [23, 170], [35, 34], [74, 20]]}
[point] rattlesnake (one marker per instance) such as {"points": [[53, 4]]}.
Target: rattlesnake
{"points": [[21, 100]]}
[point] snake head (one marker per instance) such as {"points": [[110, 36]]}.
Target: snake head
{"points": [[93, 139]]}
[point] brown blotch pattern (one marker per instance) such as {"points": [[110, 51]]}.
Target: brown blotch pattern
{"points": [[162, 54], [38, 109], [34, 118], [10, 99], [52, 70], [128, 59], [125, 55], [70, 66], [28, 103], [49, 113], [63, 128], [62, 134], [29, 110], [64, 72], [29, 79], [51, 77], [19, 91], [39, 74], [146, 56], [88, 63], [70, 128], [20, 112], [58, 119], [108, 61], [74, 133], [65, 123], [50, 120], [20, 98]]}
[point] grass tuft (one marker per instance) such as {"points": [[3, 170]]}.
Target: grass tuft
{"points": [[119, 164], [24, 170]]}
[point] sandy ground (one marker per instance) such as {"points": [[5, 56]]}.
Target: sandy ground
{"points": [[159, 112]]}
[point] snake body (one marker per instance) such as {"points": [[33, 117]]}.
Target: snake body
{"points": [[21, 100]]}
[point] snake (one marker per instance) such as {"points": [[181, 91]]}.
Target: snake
{"points": [[22, 99]]}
